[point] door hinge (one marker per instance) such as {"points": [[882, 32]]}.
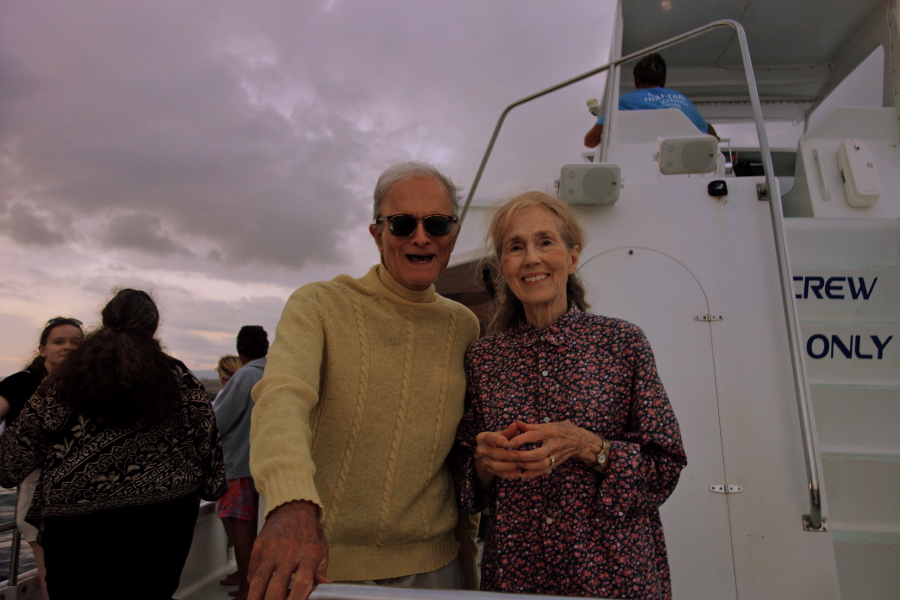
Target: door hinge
{"points": [[708, 317]]}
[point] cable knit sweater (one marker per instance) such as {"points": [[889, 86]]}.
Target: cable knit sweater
{"points": [[357, 411]]}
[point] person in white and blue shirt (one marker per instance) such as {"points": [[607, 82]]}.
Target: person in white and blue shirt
{"points": [[651, 93]]}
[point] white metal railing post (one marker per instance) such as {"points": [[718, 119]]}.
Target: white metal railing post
{"points": [[611, 97], [14, 552], [814, 521]]}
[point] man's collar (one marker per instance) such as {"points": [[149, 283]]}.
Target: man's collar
{"points": [[388, 281]]}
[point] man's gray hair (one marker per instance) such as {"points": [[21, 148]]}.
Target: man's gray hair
{"points": [[407, 170]]}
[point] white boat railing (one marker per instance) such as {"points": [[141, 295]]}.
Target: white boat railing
{"points": [[814, 521], [14, 550], [334, 591]]}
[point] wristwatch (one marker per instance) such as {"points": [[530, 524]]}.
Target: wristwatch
{"points": [[603, 456]]}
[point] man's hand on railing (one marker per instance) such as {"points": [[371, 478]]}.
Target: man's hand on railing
{"points": [[290, 546]]}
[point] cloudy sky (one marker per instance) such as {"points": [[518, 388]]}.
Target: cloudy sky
{"points": [[220, 154]]}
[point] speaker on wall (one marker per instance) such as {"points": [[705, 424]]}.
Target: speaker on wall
{"points": [[688, 155], [590, 183]]}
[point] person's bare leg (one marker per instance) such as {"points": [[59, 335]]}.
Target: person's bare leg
{"points": [[231, 578], [244, 534], [38, 551]]}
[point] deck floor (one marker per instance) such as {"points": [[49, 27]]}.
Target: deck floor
{"points": [[212, 590]]}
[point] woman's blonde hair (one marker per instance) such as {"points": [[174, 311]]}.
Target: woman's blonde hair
{"points": [[228, 366], [507, 310]]}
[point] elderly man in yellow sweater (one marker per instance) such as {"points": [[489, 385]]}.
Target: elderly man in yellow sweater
{"points": [[358, 409]]}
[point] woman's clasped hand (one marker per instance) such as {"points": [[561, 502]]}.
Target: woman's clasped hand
{"points": [[525, 450]]}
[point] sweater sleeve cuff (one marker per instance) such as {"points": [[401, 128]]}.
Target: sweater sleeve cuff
{"points": [[280, 490]]}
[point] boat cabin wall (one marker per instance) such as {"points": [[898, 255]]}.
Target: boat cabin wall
{"points": [[847, 166], [635, 142]]}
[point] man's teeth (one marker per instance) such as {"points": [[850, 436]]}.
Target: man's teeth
{"points": [[419, 258]]}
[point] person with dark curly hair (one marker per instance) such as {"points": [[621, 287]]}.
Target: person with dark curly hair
{"points": [[128, 443], [60, 336]]}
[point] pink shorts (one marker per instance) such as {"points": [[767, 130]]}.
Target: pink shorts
{"points": [[241, 501]]}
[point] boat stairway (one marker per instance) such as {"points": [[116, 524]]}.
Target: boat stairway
{"points": [[847, 281]]}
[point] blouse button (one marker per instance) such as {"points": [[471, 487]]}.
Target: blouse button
{"points": [[546, 419], [545, 373], [549, 521]]}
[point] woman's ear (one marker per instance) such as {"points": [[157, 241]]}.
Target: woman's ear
{"points": [[573, 255]]}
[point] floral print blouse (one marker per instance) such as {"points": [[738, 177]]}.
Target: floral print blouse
{"points": [[574, 532]]}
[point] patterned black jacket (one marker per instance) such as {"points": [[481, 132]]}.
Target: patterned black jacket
{"points": [[89, 466]]}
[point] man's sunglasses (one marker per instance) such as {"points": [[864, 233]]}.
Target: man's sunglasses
{"points": [[63, 321], [405, 225]]}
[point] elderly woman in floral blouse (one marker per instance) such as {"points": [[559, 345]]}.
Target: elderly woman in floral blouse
{"points": [[568, 436]]}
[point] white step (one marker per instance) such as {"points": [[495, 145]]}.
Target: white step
{"points": [[857, 420]]}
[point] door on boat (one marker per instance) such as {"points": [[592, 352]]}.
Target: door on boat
{"points": [[666, 300]]}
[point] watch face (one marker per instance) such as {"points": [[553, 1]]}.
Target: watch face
{"points": [[601, 459]]}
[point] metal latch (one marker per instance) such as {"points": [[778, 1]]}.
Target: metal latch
{"points": [[721, 489], [708, 317]]}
